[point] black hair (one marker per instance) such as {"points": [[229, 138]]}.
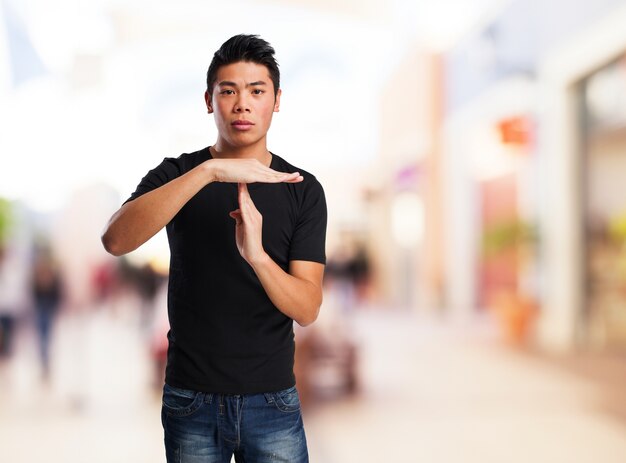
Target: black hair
{"points": [[248, 48]]}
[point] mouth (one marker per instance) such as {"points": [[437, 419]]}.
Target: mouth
{"points": [[242, 124]]}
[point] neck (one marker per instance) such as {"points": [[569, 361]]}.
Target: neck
{"points": [[222, 150]]}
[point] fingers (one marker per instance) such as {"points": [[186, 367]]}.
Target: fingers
{"points": [[254, 171], [249, 171], [246, 205], [244, 198], [274, 176], [296, 179], [293, 177], [243, 192], [262, 173]]}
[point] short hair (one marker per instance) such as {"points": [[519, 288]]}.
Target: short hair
{"points": [[247, 48]]}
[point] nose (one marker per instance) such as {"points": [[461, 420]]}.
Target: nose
{"points": [[241, 105]]}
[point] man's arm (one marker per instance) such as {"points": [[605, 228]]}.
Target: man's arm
{"points": [[139, 220], [297, 293]]}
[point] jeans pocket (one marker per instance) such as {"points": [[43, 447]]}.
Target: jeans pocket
{"points": [[181, 402], [287, 400]]}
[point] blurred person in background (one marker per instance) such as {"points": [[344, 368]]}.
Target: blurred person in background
{"points": [[10, 300], [104, 280], [159, 327], [147, 285], [247, 233], [360, 270], [348, 272], [47, 293]]}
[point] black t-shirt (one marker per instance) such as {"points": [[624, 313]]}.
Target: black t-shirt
{"points": [[225, 334]]}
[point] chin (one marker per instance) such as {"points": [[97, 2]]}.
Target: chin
{"points": [[244, 140]]}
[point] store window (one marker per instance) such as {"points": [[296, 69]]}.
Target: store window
{"points": [[604, 175]]}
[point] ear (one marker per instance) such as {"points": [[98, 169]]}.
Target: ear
{"points": [[207, 100], [277, 102]]}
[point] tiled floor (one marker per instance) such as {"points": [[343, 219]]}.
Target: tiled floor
{"points": [[438, 394], [430, 393]]}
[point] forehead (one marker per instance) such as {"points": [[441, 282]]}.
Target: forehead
{"points": [[243, 72]]}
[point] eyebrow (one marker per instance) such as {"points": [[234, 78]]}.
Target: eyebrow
{"points": [[228, 83]]}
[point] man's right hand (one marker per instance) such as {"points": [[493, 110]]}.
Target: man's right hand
{"points": [[247, 171]]}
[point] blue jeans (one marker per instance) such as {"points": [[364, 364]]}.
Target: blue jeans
{"points": [[205, 428]]}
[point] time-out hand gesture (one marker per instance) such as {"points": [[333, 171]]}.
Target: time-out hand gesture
{"points": [[248, 227], [248, 171]]}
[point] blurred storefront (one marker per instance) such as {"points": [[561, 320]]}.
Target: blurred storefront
{"points": [[603, 137], [533, 197], [491, 211], [581, 291], [403, 193]]}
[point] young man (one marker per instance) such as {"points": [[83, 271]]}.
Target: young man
{"points": [[246, 231]]}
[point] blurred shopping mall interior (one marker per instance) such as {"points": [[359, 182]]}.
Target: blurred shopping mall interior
{"points": [[473, 158]]}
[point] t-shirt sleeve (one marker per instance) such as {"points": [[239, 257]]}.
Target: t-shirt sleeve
{"points": [[309, 238], [168, 170]]}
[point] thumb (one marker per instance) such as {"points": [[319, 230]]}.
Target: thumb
{"points": [[236, 214]]}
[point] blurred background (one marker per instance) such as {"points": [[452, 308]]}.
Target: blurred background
{"points": [[473, 155]]}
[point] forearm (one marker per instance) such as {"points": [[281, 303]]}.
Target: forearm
{"points": [[139, 220], [297, 298]]}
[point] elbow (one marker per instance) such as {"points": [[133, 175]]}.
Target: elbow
{"points": [[111, 245], [306, 321], [311, 314]]}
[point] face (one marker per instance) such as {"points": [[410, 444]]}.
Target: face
{"points": [[242, 102]]}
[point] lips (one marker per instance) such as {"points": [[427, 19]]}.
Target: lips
{"points": [[242, 125]]}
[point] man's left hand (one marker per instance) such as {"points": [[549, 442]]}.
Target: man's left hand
{"points": [[248, 227]]}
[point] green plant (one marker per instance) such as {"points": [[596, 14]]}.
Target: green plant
{"points": [[617, 228], [506, 235], [5, 220]]}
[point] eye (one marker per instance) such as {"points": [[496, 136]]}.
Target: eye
{"points": [[227, 92], [257, 91]]}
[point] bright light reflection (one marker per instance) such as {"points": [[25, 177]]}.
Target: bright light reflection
{"points": [[407, 219]]}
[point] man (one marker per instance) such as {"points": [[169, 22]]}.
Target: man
{"points": [[246, 231]]}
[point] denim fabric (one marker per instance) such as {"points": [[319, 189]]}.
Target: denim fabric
{"points": [[255, 428]]}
